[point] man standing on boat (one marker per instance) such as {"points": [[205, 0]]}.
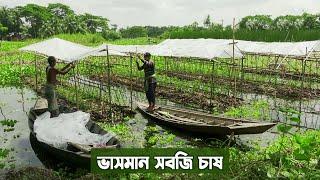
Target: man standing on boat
{"points": [[50, 92], [150, 82]]}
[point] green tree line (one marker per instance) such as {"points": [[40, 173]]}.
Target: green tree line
{"points": [[37, 21], [257, 28]]}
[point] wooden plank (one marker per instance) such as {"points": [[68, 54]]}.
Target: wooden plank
{"points": [[41, 104], [181, 119], [83, 148], [203, 114]]}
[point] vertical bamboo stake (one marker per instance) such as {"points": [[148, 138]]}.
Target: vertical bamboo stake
{"points": [[137, 79], [21, 73], [109, 84], [277, 74], [36, 71], [233, 59], [75, 86], [101, 97], [242, 76], [166, 68], [40, 73], [303, 69], [131, 101], [100, 91], [212, 82]]}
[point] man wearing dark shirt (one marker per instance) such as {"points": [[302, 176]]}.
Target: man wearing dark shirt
{"points": [[150, 82], [50, 93]]}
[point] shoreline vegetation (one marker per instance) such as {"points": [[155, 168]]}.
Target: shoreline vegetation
{"points": [[289, 157], [294, 155], [35, 21]]}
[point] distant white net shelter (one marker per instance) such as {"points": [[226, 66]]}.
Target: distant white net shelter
{"points": [[61, 49], [68, 51], [223, 48], [219, 48], [184, 48], [197, 48], [102, 51], [293, 49]]}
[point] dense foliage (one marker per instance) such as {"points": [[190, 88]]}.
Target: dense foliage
{"points": [[33, 20], [256, 28], [134, 32], [38, 21]]}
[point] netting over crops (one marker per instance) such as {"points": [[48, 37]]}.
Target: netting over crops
{"points": [[219, 48], [132, 48], [193, 48], [222, 48], [279, 48], [61, 49], [198, 48], [110, 52]]}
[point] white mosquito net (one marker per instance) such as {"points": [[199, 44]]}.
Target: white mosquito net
{"points": [[70, 127]]}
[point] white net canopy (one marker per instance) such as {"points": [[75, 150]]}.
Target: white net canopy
{"points": [[223, 48], [197, 48], [132, 48], [189, 48], [111, 51], [279, 48], [66, 128], [61, 49]]}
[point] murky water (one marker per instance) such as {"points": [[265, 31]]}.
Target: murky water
{"points": [[309, 109], [15, 104], [140, 123]]}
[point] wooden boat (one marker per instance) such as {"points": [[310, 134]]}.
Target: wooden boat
{"points": [[203, 123], [75, 155]]}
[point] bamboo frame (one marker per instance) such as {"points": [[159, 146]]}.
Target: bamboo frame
{"points": [[36, 72], [131, 100], [109, 84]]}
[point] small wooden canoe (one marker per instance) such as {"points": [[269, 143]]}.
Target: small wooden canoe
{"points": [[203, 123], [75, 155]]}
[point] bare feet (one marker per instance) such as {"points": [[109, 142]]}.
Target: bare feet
{"points": [[151, 108]]}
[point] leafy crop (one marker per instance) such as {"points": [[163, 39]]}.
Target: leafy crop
{"points": [[8, 122], [256, 110]]}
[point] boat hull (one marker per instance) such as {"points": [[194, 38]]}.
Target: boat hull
{"points": [[245, 127], [70, 156]]}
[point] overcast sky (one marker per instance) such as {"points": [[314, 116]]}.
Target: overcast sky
{"points": [[178, 12]]}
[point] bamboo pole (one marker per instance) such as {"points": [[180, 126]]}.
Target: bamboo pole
{"points": [[75, 87], [233, 59], [131, 100], [78, 86], [21, 72], [276, 80], [36, 71], [242, 76], [109, 84], [100, 91], [303, 70], [212, 83], [166, 68]]}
